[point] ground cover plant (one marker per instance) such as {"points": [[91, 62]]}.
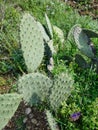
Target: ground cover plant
{"points": [[65, 56]]}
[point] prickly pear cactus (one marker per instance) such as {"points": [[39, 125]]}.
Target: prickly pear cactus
{"points": [[49, 25], [82, 42], [90, 33], [62, 87], [59, 33], [8, 105], [31, 40], [51, 121], [35, 87]]}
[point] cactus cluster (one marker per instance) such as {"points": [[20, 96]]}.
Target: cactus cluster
{"points": [[36, 87], [8, 105], [82, 38]]}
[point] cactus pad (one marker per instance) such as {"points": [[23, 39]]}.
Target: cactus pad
{"points": [[31, 40], [59, 33], [44, 34], [49, 26], [81, 61], [70, 34], [82, 42], [51, 121], [8, 105], [34, 87], [90, 33], [62, 87]]}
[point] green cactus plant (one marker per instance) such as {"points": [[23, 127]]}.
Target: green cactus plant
{"points": [[90, 33], [82, 42], [70, 34], [8, 105], [49, 26], [59, 33], [51, 121], [32, 43], [62, 87], [34, 87]]}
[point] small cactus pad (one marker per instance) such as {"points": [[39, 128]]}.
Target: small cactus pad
{"points": [[90, 33], [62, 87], [70, 34], [44, 34], [82, 42], [50, 44], [51, 121], [34, 87], [8, 105], [32, 43], [49, 25], [59, 33]]}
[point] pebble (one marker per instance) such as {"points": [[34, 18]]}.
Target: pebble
{"points": [[25, 120], [31, 116], [34, 121], [27, 111]]}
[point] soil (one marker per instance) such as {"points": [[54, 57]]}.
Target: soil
{"points": [[36, 119], [30, 118]]}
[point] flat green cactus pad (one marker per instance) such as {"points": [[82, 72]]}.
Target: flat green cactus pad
{"points": [[44, 34], [8, 105], [34, 87], [49, 26], [82, 42], [51, 121], [90, 33], [59, 33], [70, 34], [62, 87], [32, 43]]}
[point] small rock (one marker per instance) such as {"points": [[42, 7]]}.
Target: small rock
{"points": [[31, 116], [27, 111], [25, 120], [34, 121]]}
